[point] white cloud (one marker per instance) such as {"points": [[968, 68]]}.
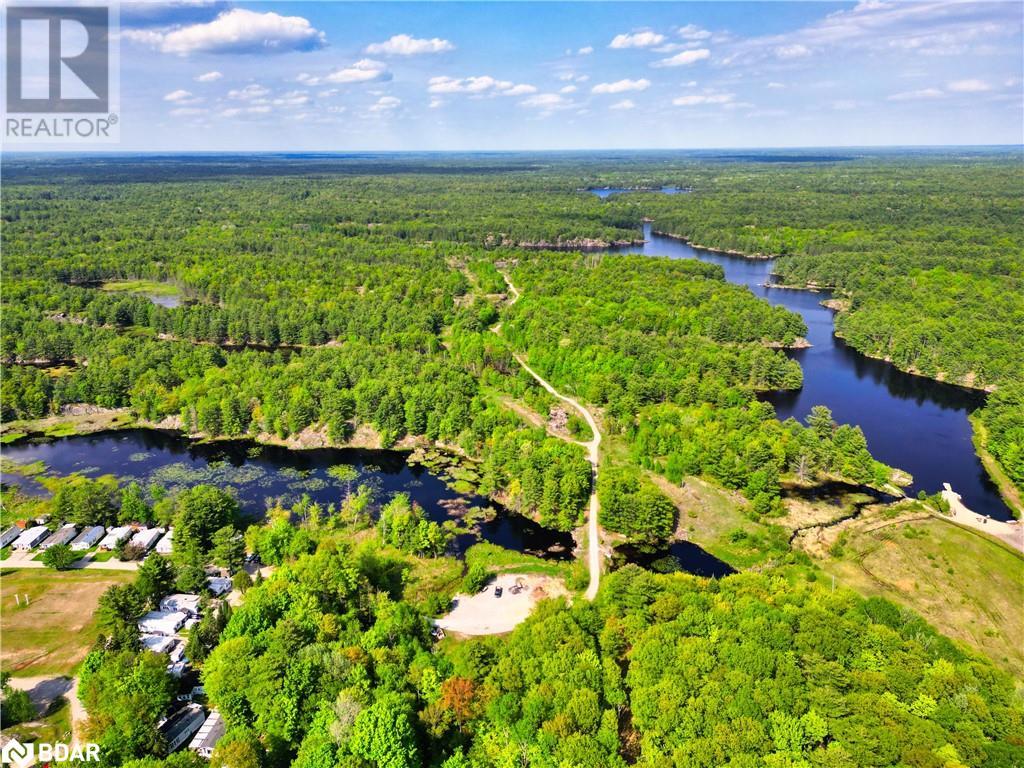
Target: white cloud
{"points": [[969, 86], [643, 39], [386, 104], [292, 99], [693, 32], [684, 58], [260, 109], [792, 51], [187, 111], [844, 105], [624, 104], [698, 99], [928, 27], [621, 86], [567, 89], [519, 90], [250, 92], [179, 96], [235, 31], [405, 45], [545, 101], [923, 94], [482, 84], [436, 103], [585, 50], [209, 77], [776, 86], [363, 71]]}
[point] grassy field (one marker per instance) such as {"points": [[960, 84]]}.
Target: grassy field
{"points": [[52, 634], [713, 518], [965, 584], [141, 286]]}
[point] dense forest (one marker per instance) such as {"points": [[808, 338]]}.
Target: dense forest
{"points": [[330, 662], [311, 308], [931, 254], [325, 303]]}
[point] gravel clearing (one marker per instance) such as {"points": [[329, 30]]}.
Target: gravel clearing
{"points": [[485, 614]]}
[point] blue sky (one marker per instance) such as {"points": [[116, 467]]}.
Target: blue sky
{"points": [[446, 76]]}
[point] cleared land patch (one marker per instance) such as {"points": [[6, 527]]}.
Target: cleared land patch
{"points": [[53, 633], [966, 585]]}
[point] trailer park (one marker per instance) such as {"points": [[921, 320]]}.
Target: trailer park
{"points": [[51, 618]]}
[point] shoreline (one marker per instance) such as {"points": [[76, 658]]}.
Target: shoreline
{"points": [[1007, 490], [838, 305], [726, 251]]}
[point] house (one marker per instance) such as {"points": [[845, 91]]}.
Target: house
{"points": [[87, 538], [187, 604], [208, 735], [31, 537], [9, 535], [166, 544], [145, 538], [218, 585], [180, 727], [161, 622], [158, 643], [115, 536], [63, 535]]}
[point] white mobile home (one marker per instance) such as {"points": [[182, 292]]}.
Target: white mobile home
{"points": [[146, 538], [63, 535], [158, 643], [208, 735], [218, 585], [166, 545], [9, 535], [88, 538], [161, 622], [115, 536], [30, 537], [179, 728], [187, 604]]}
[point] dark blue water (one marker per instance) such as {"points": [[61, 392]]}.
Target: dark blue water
{"points": [[260, 474], [910, 422], [678, 556], [608, 191]]}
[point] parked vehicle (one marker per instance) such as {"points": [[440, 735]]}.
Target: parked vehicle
{"points": [[497, 591]]}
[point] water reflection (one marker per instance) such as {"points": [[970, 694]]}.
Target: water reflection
{"points": [[910, 422]]}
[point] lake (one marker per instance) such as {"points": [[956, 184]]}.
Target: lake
{"points": [[258, 473], [604, 192], [910, 422]]}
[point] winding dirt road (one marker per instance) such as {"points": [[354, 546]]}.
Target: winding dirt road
{"points": [[592, 447]]}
